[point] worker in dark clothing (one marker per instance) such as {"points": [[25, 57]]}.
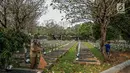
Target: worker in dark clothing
{"points": [[107, 46]]}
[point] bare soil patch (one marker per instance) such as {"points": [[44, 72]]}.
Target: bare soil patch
{"points": [[118, 57]]}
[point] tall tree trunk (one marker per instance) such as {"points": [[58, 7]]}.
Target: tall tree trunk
{"points": [[103, 37]]}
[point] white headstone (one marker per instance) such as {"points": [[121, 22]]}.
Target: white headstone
{"points": [[44, 52], [77, 59]]}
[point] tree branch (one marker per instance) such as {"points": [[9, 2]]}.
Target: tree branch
{"points": [[2, 24]]}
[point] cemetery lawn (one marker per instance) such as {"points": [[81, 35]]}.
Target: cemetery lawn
{"points": [[66, 64], [116, 57], [95, 51]]}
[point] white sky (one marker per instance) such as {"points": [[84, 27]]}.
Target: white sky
{"points": [[51, 14], [55, 15]]}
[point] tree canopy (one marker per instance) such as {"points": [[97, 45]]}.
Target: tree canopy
{"points": [[85, 31]]}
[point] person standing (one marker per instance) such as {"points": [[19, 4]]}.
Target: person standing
{"points": [[34, 53], [107, 46]]}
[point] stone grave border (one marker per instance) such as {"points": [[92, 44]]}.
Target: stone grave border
{"points": [[117, 68], [97, 62]]}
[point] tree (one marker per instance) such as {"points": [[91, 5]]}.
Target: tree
{"points": [[19, 14], [99, 11], [85, 31], [16, 18], [53, 30], [122, 22], [112, 32]]}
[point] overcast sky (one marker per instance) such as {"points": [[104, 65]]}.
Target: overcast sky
{"points": [[53, 14]]}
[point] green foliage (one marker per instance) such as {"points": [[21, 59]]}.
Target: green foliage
{"points": [[72, 32], [122, 22], [95, 51], [85, 30], [12, 41], [119, 26], [51, 31], [96, 31], [112, 32]]}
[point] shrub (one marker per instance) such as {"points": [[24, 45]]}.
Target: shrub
{"points": [[11, 41]]}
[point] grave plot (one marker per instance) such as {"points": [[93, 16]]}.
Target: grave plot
{"points": [[51, 57], [84, 55], [49, 46]]}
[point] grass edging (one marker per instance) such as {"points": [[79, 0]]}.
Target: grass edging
{"points": [[66, 60], [58, 59], [95, 51], [66, 65]]}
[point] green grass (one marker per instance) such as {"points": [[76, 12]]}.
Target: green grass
{"points": [[65, 64], [95, 51]]}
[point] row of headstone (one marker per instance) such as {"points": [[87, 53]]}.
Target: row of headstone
{"points": [[122, 47], [52, 46], [115, 46], [47, 45]]}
